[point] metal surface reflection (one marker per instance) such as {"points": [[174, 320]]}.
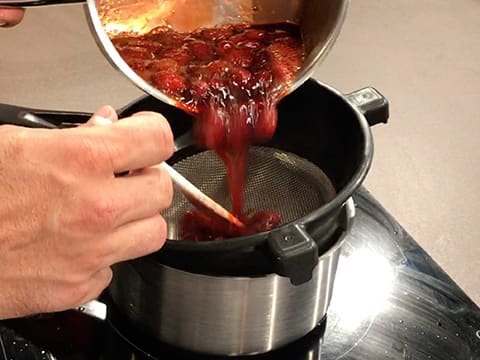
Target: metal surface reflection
{"points": [[366, 277]]}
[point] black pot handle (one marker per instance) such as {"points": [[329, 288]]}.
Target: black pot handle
{"points": [[371, 103], [296, 250], [295, 253], [37, 118], [16, 115]]}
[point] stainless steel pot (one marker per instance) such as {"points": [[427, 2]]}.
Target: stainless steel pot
{"points": [[226, 315], [234, 296]]}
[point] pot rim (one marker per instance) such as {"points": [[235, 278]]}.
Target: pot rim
{"points": [[349, 216]]}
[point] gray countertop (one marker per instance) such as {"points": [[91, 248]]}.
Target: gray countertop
{"points": [[422, 55]]}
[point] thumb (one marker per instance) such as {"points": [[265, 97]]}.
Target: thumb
{"points": [[103, 116], [10, 16]]}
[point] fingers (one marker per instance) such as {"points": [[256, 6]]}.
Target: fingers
{"points": [[103, 116], [141, 194], [135, 239], [10, 16], [133, 143], [131, 241]]}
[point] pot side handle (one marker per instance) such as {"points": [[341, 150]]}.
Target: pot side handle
{"points": [[371, 103], [295, 253]]}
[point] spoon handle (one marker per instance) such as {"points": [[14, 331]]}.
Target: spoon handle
{"points": [[197, 197]]}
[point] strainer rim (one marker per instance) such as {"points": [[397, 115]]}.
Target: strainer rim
{"points": [[337, 202]]}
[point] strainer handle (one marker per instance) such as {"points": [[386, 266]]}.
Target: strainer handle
{"points": [[371, 103]]}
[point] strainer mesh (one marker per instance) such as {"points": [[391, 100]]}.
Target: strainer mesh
{"points": [[276, 181]]}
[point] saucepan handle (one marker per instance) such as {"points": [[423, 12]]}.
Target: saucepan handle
{"points": [[371, 103], [30, 3]]}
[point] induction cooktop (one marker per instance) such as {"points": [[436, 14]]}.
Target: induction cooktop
{"points": [[390, 301]]}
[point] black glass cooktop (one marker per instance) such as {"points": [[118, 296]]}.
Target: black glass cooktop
{"points": [[391, 301]]}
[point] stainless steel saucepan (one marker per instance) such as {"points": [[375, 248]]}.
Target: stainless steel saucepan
{"points": [[320, 22]]}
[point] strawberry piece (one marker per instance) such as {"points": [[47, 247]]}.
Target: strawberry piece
{"points": [[264, 221], [181, 55], [138, 66], [218, 67], [249, 44], [239, 57], [164, 64], [238, 38], [223, 47], [196, 72], [255, 34], [200, 89], [200, 50], [240, 76], [166, 36], [135, 53], [215, 34], [169, 81]]}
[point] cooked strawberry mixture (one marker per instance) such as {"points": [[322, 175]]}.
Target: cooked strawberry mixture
{"points": [[231, 79]]}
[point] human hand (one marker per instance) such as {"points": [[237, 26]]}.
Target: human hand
{"points": [[65, 217], [10, 16]]}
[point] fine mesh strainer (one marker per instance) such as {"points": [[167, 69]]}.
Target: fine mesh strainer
{"points": [[276, 181]]}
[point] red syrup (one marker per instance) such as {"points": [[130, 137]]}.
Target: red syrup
{"points": [[231, 79]]}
